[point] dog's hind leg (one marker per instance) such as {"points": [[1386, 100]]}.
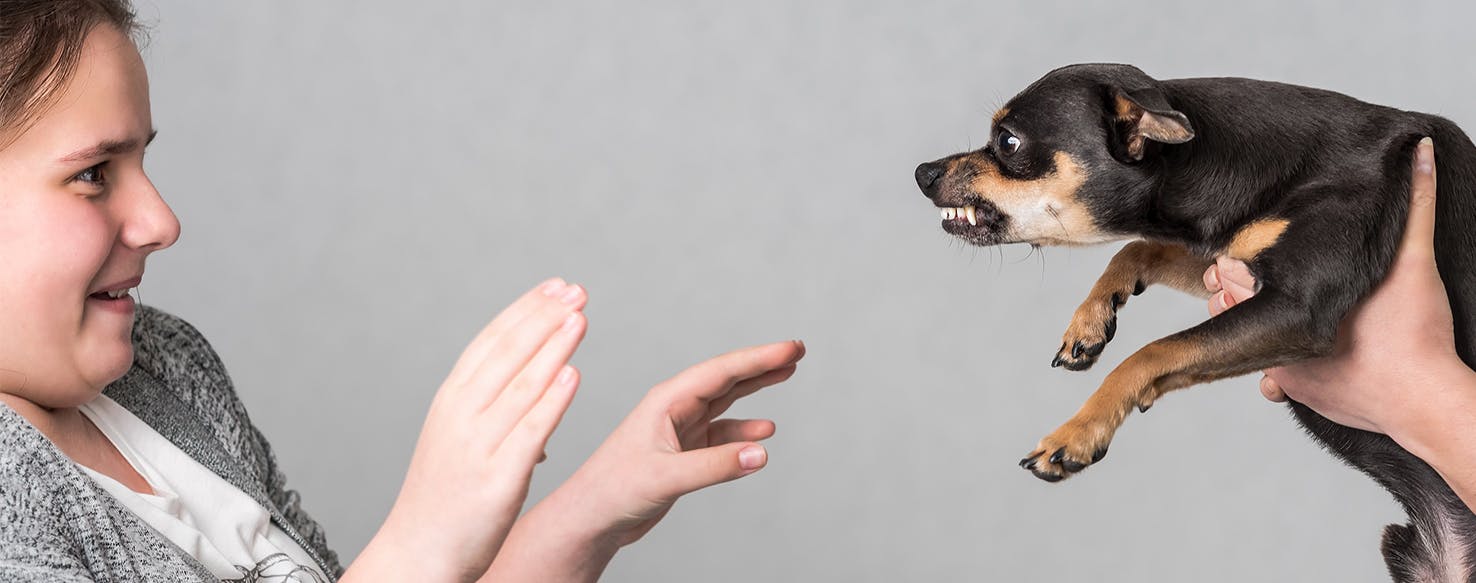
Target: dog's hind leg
{"points": [[1138, 265]]}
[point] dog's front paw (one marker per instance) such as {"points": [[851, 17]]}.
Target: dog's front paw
{"points": [[1068, 450], [1092, 327]]}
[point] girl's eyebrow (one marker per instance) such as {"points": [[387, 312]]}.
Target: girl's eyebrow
{"points": [[107, 148]]}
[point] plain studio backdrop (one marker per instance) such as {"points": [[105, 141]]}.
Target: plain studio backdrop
{"points": [[362, 185]]}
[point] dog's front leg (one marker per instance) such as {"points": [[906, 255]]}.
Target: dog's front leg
{"points": [[1270, 329], [1138, 265]]}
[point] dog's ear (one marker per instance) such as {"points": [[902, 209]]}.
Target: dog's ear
{"points": [[1141, 115]]}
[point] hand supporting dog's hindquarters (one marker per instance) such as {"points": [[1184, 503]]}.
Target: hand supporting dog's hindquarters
{"points": [[1394, 369]]}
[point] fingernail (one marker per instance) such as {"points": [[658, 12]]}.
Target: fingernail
{"points": [[552, 287], [571, 294], [566, 375], [1425, 156], [752, 458], [1213, 276], [571, 322]]}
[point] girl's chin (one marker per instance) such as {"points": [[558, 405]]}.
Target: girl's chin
{"points": [[107, 357]]}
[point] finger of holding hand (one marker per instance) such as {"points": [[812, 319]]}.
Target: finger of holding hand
{"points": [[1417, 245]]}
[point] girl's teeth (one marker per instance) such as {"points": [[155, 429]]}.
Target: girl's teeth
{"points": [[118, 294]]}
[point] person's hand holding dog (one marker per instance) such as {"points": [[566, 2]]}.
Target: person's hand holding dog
{"points": [[1394, 369]]}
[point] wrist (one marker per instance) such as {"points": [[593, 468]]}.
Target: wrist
{"points": [[411, 543], [555, 541], [1434, 423], [575, 516], [394, 555]]}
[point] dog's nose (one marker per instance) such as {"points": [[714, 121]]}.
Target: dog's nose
{"points": [[927, 176]]}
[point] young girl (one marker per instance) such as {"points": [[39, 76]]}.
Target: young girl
{"points": [[125, 454]]}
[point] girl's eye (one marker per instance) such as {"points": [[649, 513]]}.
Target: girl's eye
{"points": [[93, 175], [1006, 143]]}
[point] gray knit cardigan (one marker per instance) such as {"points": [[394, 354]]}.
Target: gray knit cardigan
{"points": [[56, 524]]}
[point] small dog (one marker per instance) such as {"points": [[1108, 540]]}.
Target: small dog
{"points": [[1309, 188]]}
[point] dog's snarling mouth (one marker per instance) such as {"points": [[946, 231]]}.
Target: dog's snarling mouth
{"points": [[978, 221]]}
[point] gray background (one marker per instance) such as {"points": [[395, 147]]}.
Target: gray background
{"points": [[363, 184]]}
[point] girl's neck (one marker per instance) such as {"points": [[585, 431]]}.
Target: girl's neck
{"points": [[79, 439]]}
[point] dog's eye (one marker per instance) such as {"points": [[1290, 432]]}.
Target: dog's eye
{"points": [[1006, 143]]}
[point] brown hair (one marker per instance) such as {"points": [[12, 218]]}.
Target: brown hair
{"points": [[40, 44]]}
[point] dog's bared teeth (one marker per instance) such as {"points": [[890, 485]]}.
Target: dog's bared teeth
{"points": [[970, 211]]}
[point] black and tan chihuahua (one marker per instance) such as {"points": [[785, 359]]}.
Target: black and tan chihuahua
{"points": [[1310, 188]]}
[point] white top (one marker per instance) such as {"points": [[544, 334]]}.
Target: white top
{"points": [[208, 517]]}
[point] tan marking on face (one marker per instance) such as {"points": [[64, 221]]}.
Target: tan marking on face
{"points": [[999, 115], [1254, 238], [1045, 210]]}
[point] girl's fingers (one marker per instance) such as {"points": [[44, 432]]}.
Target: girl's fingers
{"points": [[721, 404], [725, 431], [525, 390], [694, 470], [510, 352], [523, 446], [476, 350], [713, 378]]}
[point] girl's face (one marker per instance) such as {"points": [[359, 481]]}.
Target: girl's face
{"points": [[77, 219]]}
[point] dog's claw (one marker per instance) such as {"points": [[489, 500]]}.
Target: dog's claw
{"points": [[1144, 407], [1058, 456], [1098, 455], [1029, 462]]}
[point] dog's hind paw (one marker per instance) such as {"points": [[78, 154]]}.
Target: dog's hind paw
{"points": [[1092, 327], [1068, 450]]}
